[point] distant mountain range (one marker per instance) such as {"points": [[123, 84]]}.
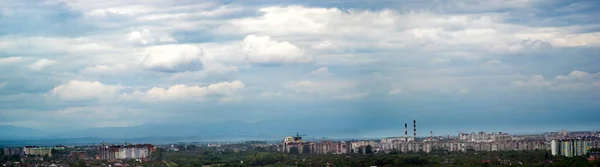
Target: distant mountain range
{"points": [[16, 133], [175, 132]]}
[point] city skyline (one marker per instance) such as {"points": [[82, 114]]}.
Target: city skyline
{"points": [[355, 68]]}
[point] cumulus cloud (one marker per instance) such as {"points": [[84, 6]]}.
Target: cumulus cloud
{"points": [[145, 36], [142, 37], [493, 62], [323, 72], [350, 96], [532, 45], [463, 91], [187, 92], [85, 90], [10, 60], [576, 80], [400, 43], [326, 45], [174, 58], [534, 81], [167, 38], [265, 50], [105, 69], [578, 74], [467, 36], [41, 64], [575, 75], [395, 91]]}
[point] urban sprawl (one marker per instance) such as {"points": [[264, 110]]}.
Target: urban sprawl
{"points": [[565, 144]]}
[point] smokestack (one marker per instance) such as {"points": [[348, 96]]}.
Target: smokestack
{"points": [[415, 126], [405, 132]]}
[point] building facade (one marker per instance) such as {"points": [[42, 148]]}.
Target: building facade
{"points": [[570, 147], [139, 151]]}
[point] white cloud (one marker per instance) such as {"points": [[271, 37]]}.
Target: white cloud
{"points": [[350, 96], [463, 91], [576, 80], [105, 69], [41, 64], [63, 45], [578, 74], [439, 60], [167, 38], [561, 77], [271, 94], [463, 35], [395, 91], [493, 62], [264, 50], [174, 58], [323, 72], [185, 92], [534, 81], [10, 60], [581, 75], [85, 90], [120, 10], [145, 36], [219, 68]]}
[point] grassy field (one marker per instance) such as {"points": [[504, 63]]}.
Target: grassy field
{"points": [[170, 164]]}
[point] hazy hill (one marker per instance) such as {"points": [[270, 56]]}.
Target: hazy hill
{"points": [[8, 132]]}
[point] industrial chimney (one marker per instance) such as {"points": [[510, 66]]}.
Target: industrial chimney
{"points": [[405, 132], [415, 126]]}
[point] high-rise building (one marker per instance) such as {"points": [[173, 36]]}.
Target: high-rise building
{"points": [[555, 147], [138, 151], [570, 147]]}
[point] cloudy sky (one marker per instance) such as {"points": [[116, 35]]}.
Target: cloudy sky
{"points": [[371, 65]]}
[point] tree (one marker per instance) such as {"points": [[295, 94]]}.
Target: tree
{"points": [[15, 158], [159, 154], [82, 163], [305, 150], [294, 150], [369, 149]]}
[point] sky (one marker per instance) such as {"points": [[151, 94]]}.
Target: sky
{"points": [[367, 65]]}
